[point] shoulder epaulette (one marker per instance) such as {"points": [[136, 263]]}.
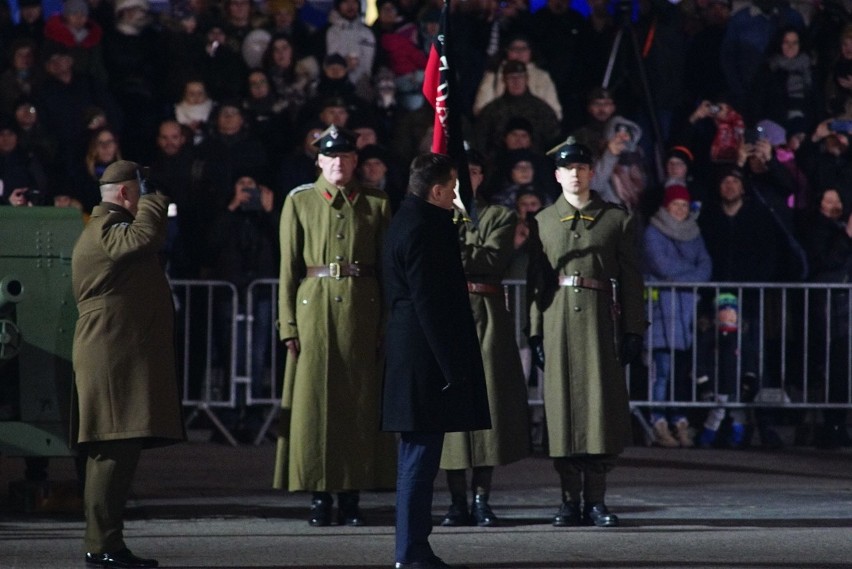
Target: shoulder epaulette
{"points": [[301, 188]]}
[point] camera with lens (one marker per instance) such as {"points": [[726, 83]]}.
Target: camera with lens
{"points": [[753, 135], [34, 196], [253, 202]]}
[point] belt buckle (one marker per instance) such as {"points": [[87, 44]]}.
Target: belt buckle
{"points": [[575, 281], [334, 270]]}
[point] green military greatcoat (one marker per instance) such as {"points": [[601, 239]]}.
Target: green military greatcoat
{"points": [[585, 394], [486, 253], [126, 384], [330, 439]]}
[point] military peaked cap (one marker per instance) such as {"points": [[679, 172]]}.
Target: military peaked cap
{"points": [[122, 171], [570, 152], [336, 139]]}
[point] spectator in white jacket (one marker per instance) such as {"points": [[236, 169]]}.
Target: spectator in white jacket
{"points": [[348, 36], [540, 83]]}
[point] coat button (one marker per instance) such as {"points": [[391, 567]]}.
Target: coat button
{"points": [[339, 236], [577, 309], [339, 216], [304, 301], [338, 299], [576, 290], [576, 273], [576, 236], [338, 257]]}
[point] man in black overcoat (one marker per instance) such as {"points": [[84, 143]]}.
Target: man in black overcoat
{"points": [[434, 381]]}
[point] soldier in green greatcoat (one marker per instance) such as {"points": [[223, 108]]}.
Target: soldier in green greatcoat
{"points": [[587, 319], [126, 391], [330, 319], [486, 250]]}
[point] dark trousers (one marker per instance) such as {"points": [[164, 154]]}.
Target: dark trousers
{"points": [[110, 466], [419, 458]]}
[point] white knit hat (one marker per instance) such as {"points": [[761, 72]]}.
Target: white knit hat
{"points": [[121, 5]]}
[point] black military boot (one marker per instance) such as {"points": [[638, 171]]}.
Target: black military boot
{"points": [[348, 513], [481, 512], [568, 515], [458, 514], [597, 514], [321, 503]]}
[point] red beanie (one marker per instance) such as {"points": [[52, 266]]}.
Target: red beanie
{"points": [[675, 192]]}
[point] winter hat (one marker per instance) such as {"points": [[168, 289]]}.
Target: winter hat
{"points": [[373, 151], [731, 171], [773, 132], [76, 7], [254, 46], [518, 123], [675, 192], [796, 125], [121, 5], [727, 306], [599, 93], [681, 153], [519, 155], [334, 59]]}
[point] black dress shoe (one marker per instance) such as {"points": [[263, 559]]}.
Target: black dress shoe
{"points": [[348, 513], [320, 510], [457, 515], [434, 563], [598, 515], [122, 558], [568, 515], [481, 512]]}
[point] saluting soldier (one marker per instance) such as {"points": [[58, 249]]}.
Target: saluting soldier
{"points": [[330, 319], [126, 386], [587, 319], [486, 251]]}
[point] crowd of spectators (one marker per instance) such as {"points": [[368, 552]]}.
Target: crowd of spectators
{"points": [[210, 92]]}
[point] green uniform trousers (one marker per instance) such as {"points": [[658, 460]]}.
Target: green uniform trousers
{"points": [[586, 473], [110, 466]]}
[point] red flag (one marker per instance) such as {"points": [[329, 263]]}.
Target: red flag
{"points": [[435, 85], [439, 88]]}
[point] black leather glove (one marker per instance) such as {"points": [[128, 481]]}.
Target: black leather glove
{"points": [[631, 348], [537, 346]]}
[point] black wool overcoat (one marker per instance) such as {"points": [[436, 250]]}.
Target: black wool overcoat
{"points": [[431, 336]]}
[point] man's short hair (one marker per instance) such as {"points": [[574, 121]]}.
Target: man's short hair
{"points": [[428, 170]]}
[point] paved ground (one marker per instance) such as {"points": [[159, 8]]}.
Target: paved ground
{"points": [[201, 505]]}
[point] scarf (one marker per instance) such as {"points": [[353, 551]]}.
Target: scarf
{"points": [[187, 114], [798, 71], [685, 230]]}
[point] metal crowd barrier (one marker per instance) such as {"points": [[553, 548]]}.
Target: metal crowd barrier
{"points": [[790, 347]]}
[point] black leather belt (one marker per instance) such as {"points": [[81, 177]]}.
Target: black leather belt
{"points": [[340, 270], [584, 282]]}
